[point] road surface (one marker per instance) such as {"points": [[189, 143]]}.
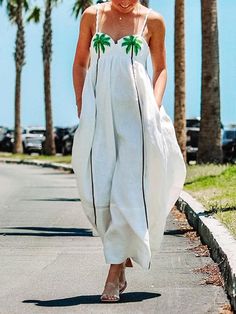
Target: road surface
{"points": [[51, 263]]}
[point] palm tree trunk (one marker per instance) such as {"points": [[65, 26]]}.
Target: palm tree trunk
{"points": [[17, 148], [180, 98], [145, 2], [209, 148], [47, 56], [19, 63]]}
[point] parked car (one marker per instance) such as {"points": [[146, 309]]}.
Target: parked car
{"points": [[192, 132], [2, 134], [3, 130], [32, 138], [60, 132], [229, 145], [67, 141], [7, 140]]}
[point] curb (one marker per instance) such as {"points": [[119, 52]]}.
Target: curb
{"points": [[213, 233], [54, 165]]}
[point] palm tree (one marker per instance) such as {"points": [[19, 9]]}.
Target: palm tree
{"points": [[133, 44], [79, 5], [179, 110], [15, 11], [99, 43], [50, 148], [209, 147]]}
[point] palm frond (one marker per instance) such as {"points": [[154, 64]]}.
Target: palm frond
{"points": [[106, 42], [136, 49], [128, 48], [26, 5], [145, 3], [11, 11], [34, 15], [79, 7], [56, 2], [103, 48], [125, 43]]}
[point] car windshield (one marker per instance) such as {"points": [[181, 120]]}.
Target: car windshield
{"points": [[193, 123], [37, 132], [229, 134]]}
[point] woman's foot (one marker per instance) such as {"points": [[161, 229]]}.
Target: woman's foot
{"points": [[111, 290], [110, 293]]}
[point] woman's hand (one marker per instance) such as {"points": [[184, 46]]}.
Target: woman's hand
{"points": [[159, 106], [78, 111], [79, 106]]}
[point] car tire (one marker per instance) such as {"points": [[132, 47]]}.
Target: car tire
{"points": [[25, 151]]}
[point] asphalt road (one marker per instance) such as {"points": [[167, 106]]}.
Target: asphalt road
{"points": [[51, 263]]}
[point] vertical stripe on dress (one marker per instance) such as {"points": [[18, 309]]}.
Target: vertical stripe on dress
{"points": [[143, 146], [91, 151]]}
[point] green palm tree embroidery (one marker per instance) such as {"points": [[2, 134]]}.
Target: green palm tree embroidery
{"points": [[132, 43], [99, 43]]}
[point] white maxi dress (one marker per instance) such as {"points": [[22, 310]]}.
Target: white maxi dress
{"points": [[125, 156]]}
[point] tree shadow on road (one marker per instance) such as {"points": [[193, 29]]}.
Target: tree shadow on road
{"points": [[94, 299], [177, 232], [54, 199], [50, 232]]}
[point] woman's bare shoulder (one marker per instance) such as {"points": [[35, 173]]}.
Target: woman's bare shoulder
{"points": [[156, 22], [89, 12], [88, 18]]}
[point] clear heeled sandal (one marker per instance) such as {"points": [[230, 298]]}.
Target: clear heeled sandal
{"points": [[110, 293]]}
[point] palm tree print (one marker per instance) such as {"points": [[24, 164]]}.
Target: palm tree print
{"points": [[132, 43], [99, 43]]}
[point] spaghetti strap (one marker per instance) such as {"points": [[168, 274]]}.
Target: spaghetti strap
{"points": [[145, 21], [97, 13]]}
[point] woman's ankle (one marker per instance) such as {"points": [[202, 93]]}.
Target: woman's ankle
{"points": [[114, 273]]}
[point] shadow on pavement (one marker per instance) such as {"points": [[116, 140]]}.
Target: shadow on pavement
{"points": [[177, 232], [53, 187], [94, 299], [49, 232], [55, 173], [55, 199]]}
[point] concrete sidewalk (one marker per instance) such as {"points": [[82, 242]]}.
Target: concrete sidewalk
{"points": [[50, 263]]}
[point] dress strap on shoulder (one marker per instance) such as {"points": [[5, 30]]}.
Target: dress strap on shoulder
{"points": [[97, 16], [145, 20]]}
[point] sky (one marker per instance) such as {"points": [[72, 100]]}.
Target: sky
{"points": [[65, 35]]}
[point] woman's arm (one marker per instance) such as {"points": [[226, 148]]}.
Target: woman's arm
{"points": [[158, 55], [82, 54]]}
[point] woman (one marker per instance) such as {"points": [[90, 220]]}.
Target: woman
{"points": [[128, 165]]}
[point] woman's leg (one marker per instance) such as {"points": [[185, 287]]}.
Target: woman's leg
{"points": [[114, 273], [122, 278]]}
